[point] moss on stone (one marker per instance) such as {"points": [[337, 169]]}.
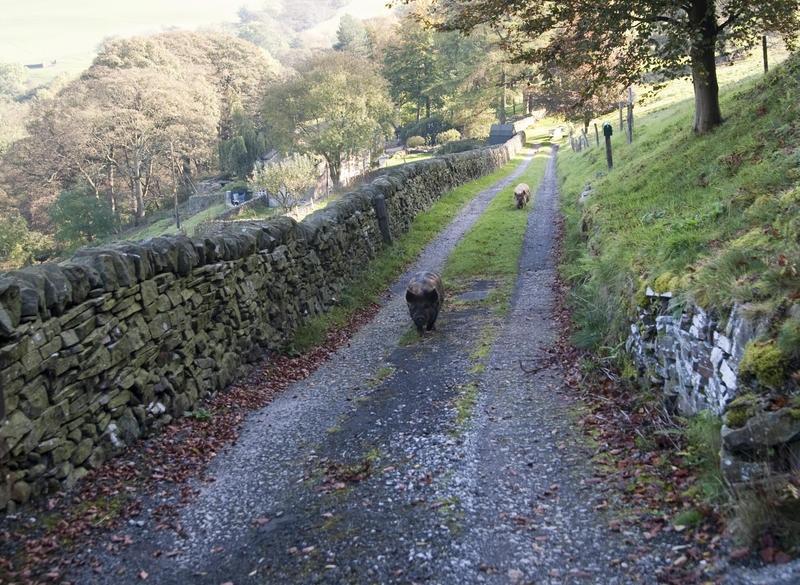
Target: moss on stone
{"points": [[766, 363], [662, 283], [742, 409], [640, 297]]}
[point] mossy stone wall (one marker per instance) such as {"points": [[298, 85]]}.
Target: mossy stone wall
{"points": [[700, 363]]}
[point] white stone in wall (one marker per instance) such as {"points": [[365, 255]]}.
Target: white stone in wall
{"points": [[662, 322], [697, 382], [716, 358], [728, 376], [699, 324]]}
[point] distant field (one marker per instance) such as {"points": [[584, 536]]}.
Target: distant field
{"points": [[69, 31]]}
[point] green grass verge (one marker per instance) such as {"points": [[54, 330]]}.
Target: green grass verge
{"points": [[491, 248], [393, 260]]}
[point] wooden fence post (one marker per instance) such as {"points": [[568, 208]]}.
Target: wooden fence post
{"points": [[379, 202], [596, 134], [607, 132]]}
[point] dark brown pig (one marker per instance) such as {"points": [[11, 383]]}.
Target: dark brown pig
{"points": [[522, 194], [424, 296]]}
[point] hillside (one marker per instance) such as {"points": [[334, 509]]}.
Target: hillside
{"points": [[711, 218], [64, 37], [709, 225]]}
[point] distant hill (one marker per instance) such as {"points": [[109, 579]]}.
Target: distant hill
{"points": [[63, 36]]}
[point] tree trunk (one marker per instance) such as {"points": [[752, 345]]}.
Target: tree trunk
{"points": [[335, 167], [707, 113], [112, 195], [138, 195], [503, 97]]}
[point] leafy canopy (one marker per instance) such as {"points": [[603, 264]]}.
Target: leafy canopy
{"points": [[337, 107], [641, 36]]}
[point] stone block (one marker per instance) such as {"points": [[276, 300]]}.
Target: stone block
{"points": [[21, 492], [728, 376], [34, 398], [14, 428], [762, 431], [82, 451]]}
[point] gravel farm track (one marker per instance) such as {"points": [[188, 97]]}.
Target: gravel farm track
{"points": [[456, 458]]}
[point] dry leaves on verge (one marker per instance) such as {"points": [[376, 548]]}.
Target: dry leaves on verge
{"points": [[156, 467]]}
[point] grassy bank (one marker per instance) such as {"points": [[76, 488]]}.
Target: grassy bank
{"points": [[714, 219], [711, 218]]}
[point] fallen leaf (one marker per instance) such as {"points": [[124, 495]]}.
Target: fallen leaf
{"points": [[143, 575], [739, 553]]}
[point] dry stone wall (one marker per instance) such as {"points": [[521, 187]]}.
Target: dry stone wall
{"points": [[694, 359], [98, 351], [689, 353]]}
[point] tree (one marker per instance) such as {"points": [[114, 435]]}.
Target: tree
{"points": [[335, 108], [351, 36], [266, 34], [80, 215], [150, 120], [19, 246], [454, 76], [572, 91], [12, 77], [235, 69], [412, 69], [233, 157], [643, 36], [287, 180]]}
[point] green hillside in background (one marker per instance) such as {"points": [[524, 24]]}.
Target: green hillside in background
{"points": [[64, 36]]}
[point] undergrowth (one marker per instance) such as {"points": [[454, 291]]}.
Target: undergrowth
{"points": [[716, 213]]}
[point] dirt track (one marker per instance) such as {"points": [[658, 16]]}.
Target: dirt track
{"points": [[451, 460]]}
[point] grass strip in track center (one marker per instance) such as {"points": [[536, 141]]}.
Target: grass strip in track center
{"points": [[491, 249], [390, 263]]}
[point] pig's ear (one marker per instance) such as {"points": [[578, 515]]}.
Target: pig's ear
{"points": [[432, 295], [410, 297]]}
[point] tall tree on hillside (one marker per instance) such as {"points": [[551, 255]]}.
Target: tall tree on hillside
{"points": [[60, 150], [12, 77], [572, 90], [413, 70], [236, 69], [81, 215], [351, 36], [336, 108], [457, 77], [665, 36], [151, 118], [119, 131]]}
